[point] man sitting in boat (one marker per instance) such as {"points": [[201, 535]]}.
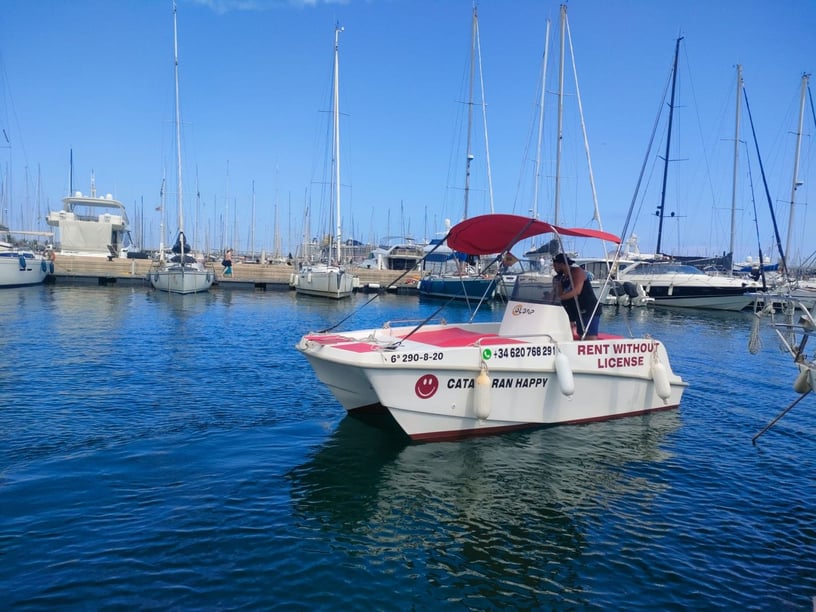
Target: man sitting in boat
{"points": [[577, 297]]}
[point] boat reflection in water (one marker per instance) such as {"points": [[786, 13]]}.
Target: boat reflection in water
{"points": [[519, 511]]}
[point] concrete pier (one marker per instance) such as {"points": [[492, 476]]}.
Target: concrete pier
{"points": [[74, 269]]}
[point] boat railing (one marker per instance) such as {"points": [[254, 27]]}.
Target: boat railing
{"points": [[403, 322]]}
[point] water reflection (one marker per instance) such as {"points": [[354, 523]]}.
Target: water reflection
{"points": [[487, 518], [182, 304]]}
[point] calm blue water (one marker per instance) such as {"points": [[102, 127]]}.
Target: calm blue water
{"points": [[176, 452]]}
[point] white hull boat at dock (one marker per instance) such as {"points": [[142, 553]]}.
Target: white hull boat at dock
{"points": [[19, 268], [181, 278], [448, 381], [325, 281], [183, 273], [92, 226], [684, 286]]}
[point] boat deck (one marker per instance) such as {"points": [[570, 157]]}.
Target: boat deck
{"points": [[449, 337]]}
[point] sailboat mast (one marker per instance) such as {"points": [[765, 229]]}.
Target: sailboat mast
{"points": [[541, 120], [795, 183], [470, 108], [197, 209], [337, 31], [252, 227], [736, 164], [662, 207], [179, 199], [596, 211], [560, 135], [163, 207]]}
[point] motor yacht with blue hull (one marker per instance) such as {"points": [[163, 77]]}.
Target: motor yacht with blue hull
{"points": [[461, 288]]}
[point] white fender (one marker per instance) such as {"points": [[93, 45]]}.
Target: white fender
{"points": [[661, 380], [481, 395], [563, 371], [802, 382]]}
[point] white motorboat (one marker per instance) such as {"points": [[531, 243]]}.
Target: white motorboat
{"points": [[91, 225], [681, 285], [446, 381], [20, 267], [603, 274], [402, 256]]}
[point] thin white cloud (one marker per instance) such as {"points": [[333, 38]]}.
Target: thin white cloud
{"points": [[226, 6]]}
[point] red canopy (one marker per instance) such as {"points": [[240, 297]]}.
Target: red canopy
{"points": [[495, 233]]}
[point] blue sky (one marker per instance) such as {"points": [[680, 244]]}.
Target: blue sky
{"points": [[96, 77]]}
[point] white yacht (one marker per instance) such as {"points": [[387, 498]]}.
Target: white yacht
{"points": [[681, 285], [91, 226]]}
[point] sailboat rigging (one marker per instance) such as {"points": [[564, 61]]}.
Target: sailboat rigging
{"points": [[182, 273], [673, 281], [661, 209], [466, 282], [796, 183], [327, 280]]}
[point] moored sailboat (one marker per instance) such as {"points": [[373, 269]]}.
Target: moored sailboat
{"points": [[330, 280], [181, 273], [21, 267], [447, 273], [679, 284]]}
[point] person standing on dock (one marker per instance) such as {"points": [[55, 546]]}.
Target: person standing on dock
{"points": [[227, 263]]}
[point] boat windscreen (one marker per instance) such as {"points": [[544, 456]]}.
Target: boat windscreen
{"points": [[539, 291]]}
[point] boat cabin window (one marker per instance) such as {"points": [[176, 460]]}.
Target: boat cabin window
{"points": [[666, 268], [535, 290], [598, 269]]}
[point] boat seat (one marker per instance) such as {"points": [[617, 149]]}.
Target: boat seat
{"points": [[525, 319]]}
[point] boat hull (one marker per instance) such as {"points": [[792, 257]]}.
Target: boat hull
{"points": [[454, 381], [183, 280], [20, 269], [461, 288], [683, 286], [709, 301], [329, 283], [91, 226]]}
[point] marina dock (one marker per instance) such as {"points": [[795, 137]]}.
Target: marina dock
{"points": [[74, 269]]}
